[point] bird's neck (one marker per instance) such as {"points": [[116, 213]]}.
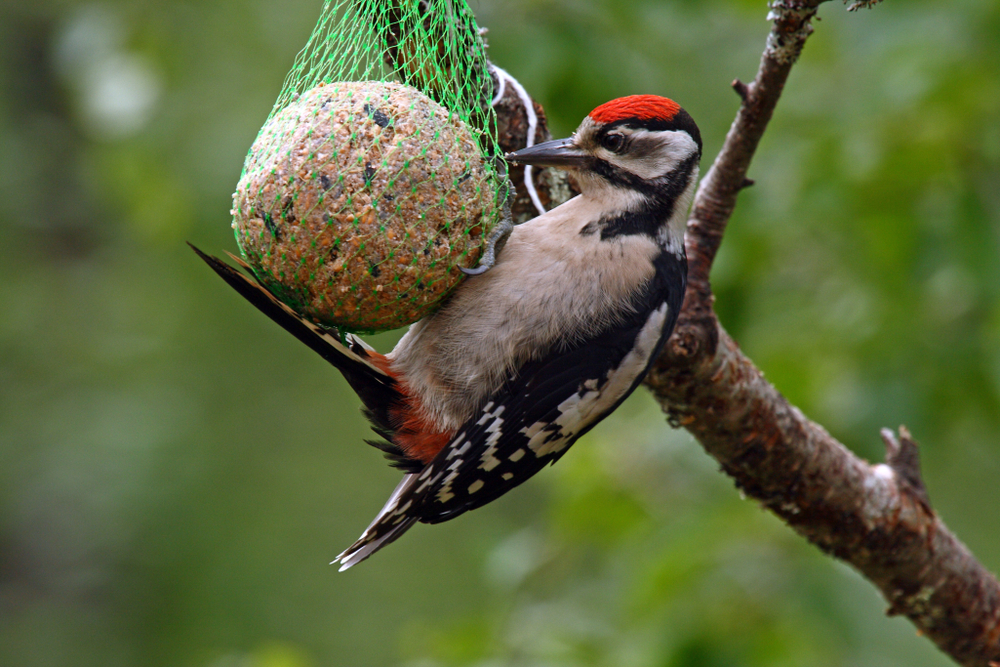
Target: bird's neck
{"points": [[658, 212]]}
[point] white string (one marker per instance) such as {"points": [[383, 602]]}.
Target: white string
{"points": [[529, 109], [503, 86]]}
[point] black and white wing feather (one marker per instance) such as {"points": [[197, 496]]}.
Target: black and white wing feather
{"points": [[530, 422]]}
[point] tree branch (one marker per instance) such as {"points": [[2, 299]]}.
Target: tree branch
{"points": [[877, 518]]}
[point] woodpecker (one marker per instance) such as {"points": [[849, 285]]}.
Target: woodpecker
{"points": [[524, 359]]}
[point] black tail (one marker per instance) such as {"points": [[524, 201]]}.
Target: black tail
{"points": [[377, 390]]}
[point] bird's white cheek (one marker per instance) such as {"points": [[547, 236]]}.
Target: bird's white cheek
{"points": [[654, 166], [612, 199], [672, 149]]}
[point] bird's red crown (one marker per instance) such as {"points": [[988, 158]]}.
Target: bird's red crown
{"points": [[643, 107]]}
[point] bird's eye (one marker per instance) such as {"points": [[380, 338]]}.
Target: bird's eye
{"points": [[613, 141]]}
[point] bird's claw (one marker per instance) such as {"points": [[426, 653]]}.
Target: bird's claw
{"points": [[494, 244]]}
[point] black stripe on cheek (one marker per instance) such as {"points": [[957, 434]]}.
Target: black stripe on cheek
{"points": [[659, 189], [631, 222], [672, 188], [662, 195], [622, 178]]}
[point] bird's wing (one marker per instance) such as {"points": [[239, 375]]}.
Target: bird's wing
{"points": [[530, 422]]}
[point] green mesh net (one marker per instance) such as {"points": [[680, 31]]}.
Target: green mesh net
{"points": [[377, 175]]}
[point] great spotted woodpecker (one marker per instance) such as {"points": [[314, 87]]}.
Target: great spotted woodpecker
{"points": [[524, 359]]}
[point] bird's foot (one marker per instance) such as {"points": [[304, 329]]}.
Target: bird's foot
{"points": [[494, 244]]}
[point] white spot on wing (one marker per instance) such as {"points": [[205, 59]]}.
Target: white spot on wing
{"points": [[547, 443], [429, 482], [580, 410], [533, 430], [454, 450], [475, 486], [489, 459], [445, 494]]}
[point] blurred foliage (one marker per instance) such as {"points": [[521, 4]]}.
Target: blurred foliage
{"points": [[176, 472]]}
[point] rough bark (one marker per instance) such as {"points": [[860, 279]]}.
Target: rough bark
{"points": [[876, 517]]}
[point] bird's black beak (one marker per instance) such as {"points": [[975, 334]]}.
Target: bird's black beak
{"points": [[558, 153]]}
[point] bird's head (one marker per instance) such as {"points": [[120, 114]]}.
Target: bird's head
{"points": [[639, 149]]}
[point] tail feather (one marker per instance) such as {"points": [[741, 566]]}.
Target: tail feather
{"points": [[362, 367], [395, 455], [367, 373], [360, 551], [387, 526]]}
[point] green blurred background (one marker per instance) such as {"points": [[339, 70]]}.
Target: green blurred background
{"points": [[176, 471]]}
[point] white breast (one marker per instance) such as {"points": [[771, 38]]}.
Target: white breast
{"points": [[551, 286]]}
